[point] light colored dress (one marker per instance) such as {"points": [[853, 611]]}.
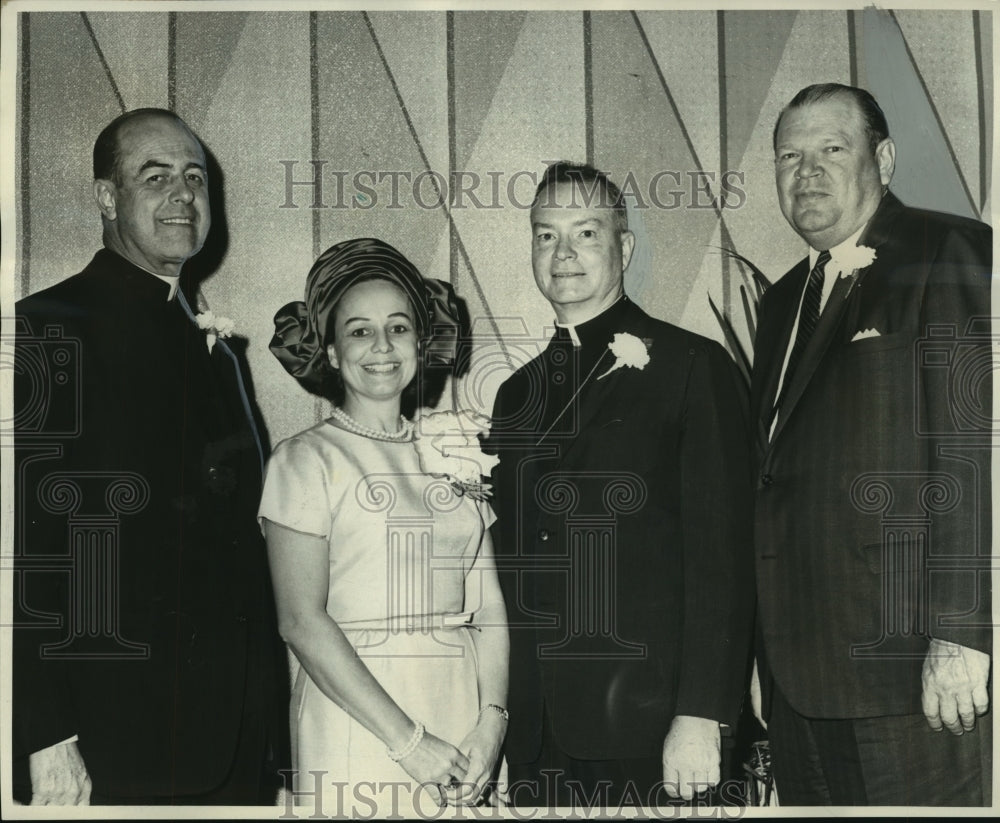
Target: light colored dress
{"points": [[401, 545]]}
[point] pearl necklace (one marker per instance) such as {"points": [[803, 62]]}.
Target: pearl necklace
{"points": [[349, 423]]}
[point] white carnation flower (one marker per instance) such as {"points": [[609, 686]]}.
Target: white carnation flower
{"points": [[628, 350]]}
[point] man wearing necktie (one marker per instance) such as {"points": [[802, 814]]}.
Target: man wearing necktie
{"points": [[871, 397], [145, 663], [623, 531]]}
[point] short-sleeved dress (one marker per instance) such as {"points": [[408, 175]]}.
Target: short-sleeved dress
{"points": [[401, 545]]}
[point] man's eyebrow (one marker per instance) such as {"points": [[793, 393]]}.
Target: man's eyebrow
{"points": [[832, 136], [153, 164], [539, 224], [162, 164]]}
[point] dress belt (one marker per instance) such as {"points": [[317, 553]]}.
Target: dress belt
{"points": [[410, 623]]}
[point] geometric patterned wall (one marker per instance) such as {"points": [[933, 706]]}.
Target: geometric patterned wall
{"points": [[678, 97]]}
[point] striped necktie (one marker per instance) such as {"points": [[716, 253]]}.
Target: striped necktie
{"points": [[808, 318]]}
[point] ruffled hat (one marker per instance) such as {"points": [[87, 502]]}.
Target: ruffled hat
{"points": [[299, 326]]}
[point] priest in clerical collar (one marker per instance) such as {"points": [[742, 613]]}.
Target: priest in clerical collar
{"points": [[624, 528]]}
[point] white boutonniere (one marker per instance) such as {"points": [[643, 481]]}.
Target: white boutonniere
{"points": [[214, 327], [628, 350], [847, 261], [448, 446]]}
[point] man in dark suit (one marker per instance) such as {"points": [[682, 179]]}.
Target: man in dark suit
{"points": [[872, 400], [144, 646], [623, 532]]}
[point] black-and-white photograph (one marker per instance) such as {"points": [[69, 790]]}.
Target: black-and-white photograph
{"points": [[453, 410]]}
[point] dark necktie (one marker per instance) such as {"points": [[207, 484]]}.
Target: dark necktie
{"points": [[808, 318]]}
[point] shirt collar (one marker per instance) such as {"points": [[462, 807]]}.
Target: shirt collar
{"points": [[846, 244], [170, 281], [598, 329]]}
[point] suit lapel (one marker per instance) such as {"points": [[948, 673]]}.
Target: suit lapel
{"points": [[829, 321], [845, 293], [233, 368], [771, 353]]}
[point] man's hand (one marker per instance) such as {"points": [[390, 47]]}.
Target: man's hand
{"points": [[691, 756], [954, 680], [59, 777]]}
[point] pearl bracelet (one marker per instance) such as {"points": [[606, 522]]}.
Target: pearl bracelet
{"points": [[500, 710], [408, 749]]}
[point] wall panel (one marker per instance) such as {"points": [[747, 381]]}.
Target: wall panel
{"points": [[489, 94]]}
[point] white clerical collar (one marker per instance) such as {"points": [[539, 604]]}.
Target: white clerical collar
{"points": [[170, 281], [572, 333], [849, 243], [571, 327], [173, 282]]}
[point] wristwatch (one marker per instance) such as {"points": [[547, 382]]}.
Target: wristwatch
{"points": [[500, 710]]}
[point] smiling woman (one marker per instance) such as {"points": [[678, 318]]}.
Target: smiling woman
{"points": [[377, 593], [374, 347]]}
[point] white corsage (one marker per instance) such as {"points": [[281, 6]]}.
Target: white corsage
{"points": [[628, 350], [447, 445], [214, 327], [847, 261]]}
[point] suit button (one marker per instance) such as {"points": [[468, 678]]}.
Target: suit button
{"points": [[766, 480], [543, 535]]}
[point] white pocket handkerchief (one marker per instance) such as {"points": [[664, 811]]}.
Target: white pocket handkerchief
{"points": [[864, 334]]}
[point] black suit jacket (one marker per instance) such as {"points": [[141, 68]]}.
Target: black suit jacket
{"points": [[143, 601], [872, 503], [623, 539]]}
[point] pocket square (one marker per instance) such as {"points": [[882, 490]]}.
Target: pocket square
{"points": [[864, 334]]}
